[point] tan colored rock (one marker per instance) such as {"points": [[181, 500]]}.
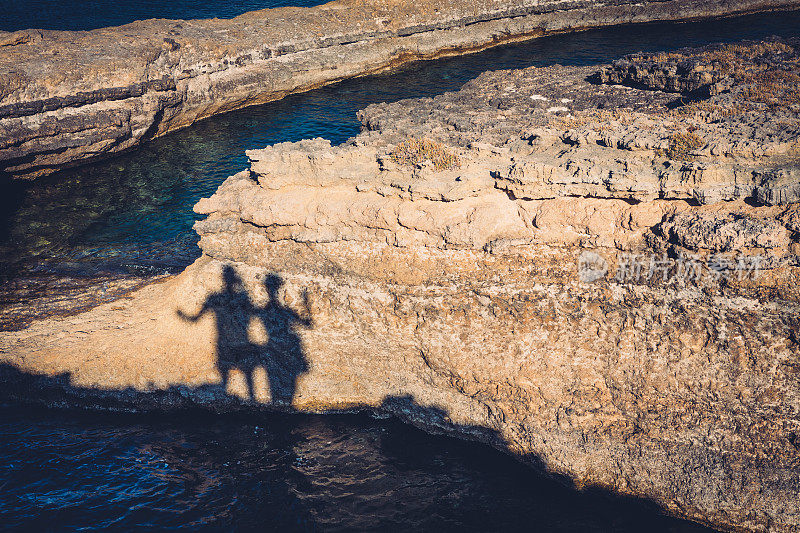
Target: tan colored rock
{"points": [[69, 97], [642, 344]]}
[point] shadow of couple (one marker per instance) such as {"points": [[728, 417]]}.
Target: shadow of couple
{"points": [[281, 355]]}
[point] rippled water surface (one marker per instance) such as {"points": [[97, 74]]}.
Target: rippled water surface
{"points": [[70, 471]]}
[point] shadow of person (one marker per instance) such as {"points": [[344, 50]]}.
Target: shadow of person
{"points": [[281, 356], [232, 309], [284, 360]]}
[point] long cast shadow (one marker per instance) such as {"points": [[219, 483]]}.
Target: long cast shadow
{"points": [[282, 356], [556, 506]]}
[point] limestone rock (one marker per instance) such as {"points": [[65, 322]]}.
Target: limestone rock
{"points": [[69, 97], [581, 289]]}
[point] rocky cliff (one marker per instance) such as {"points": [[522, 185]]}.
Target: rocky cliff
{"points": [[68, 97], [593, 269]]}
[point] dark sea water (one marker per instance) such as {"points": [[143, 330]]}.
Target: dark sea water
{"points": [[91, 14], [133, 215], [69, 471]]}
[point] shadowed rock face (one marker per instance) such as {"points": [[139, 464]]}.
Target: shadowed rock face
{"points": [[594, 278], [68, 97]]}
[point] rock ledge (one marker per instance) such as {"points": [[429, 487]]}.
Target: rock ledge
{"points": [[69, 97], [601, 279]]}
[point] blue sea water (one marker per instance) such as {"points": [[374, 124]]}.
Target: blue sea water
{"points": [[69, 471], [133, 213], [91, 14], [66, 471]]}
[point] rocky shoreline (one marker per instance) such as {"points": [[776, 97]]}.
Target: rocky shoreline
{"points": [[70, 97], [594, 269]]}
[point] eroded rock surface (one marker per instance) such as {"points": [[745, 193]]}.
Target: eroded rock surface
{"points": [[586, 276], [68, 97]]}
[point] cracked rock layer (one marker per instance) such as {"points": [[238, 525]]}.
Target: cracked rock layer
{"points": [[70, 97], [484, 276]]}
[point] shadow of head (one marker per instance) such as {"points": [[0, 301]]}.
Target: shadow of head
{"points": [[231, 279], [273, 283]]}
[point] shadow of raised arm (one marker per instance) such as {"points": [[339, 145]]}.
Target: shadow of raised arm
{"points": [[191, 318], [305, 319]]}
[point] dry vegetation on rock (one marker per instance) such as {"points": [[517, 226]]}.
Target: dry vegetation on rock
{"points": [[682, 146], [416, 152]]}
